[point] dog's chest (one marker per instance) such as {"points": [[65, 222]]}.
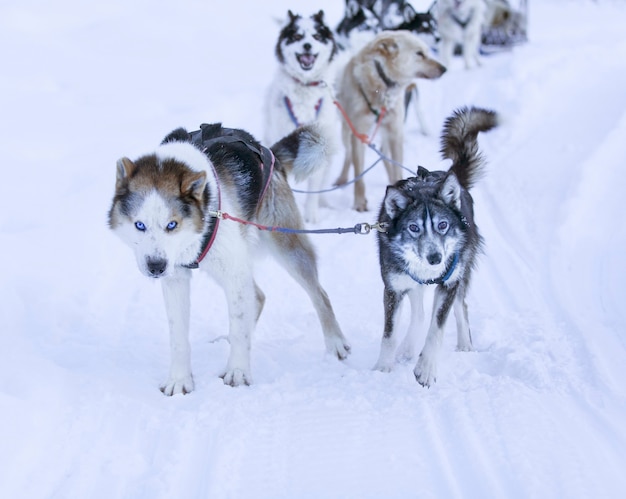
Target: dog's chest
{"points": [[305, 104]]}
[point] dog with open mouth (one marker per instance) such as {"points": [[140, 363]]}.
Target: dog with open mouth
{"points": [[299, 95]]}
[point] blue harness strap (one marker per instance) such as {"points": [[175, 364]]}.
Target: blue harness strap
{"points": [[292, 115], [443, 278]]}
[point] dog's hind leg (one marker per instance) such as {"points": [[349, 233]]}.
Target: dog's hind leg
{"points": [[426, 369], [260, 300], [392, 301], [464, 335], [176, 291], [347, 161], [393, 146], [295, 253], [406, 351], [313, 198]]}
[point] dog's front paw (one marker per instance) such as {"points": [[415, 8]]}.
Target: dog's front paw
{"points": [[338, 347], [178, 385], [383, 367], [406, 352], [341, 180], [425, 371], [311, 218], [237, 377], [360, 205]]}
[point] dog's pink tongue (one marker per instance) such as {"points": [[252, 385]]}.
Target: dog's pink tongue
{"points": [[307, 59]]}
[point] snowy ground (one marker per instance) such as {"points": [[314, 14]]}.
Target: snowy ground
{"points": [[538, 410]]}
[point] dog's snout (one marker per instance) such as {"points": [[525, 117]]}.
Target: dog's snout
{"points": [[156, 266], [434, 258], [307, 47]]}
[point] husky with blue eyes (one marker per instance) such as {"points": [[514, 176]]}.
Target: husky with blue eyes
{"points": [[171, 207], [299, 93], [430, 238]]}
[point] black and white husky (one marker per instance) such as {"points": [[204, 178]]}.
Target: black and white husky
{"points": [[299, 93], [171, 207], [431, 238]]}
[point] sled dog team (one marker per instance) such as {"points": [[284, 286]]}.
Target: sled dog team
{"points": [[181, 206]]}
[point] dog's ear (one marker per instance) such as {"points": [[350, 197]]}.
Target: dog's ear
{"points": [[388, 47], [193, 185], [395, 201], [450, 191], [125, 168], [319, 17]]}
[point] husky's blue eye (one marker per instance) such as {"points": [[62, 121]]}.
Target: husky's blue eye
{"points": [[140, 226], [442, 226], [172, 225], [414, 228]]}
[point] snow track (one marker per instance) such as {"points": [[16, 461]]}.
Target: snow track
{"points": [[537, 410]]}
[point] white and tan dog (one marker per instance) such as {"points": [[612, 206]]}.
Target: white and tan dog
{"points": [[168, 206], [461, 22], [299, 93], [371, 91]]}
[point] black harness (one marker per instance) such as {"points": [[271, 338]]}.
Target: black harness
{"points": [[460, 22], [266, 164]]}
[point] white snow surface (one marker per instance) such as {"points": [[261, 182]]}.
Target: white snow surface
{"points": [[537, 410]]}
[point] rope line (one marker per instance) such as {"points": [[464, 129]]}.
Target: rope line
{"points": [[365, 139], [360, 228]]}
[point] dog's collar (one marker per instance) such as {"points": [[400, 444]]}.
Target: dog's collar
{"points": [[209, 236], [308, 83], [383, 76], [444, 277], [460, 22], [389, 83], [372, 109]]}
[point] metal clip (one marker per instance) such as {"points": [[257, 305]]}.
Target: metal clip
{"points": [[365, 228], [380, 226], [216, 214]]}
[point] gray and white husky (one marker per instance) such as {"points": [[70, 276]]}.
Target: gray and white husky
{"points": [[170, 207], [431, 238]]}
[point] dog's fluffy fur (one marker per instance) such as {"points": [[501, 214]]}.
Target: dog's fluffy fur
{"points": [[461, 23], [299, 93], [431, 238], [164, 209], [375, 79]]}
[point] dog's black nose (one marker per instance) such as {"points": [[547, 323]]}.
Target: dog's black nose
{"points": [[434, 258], [156, 266], [307, 47]]}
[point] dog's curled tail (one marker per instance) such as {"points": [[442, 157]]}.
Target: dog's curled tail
{"points": [[303, 151], [458, 142]]}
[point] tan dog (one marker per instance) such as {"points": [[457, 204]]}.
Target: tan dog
{"points": [[374, 82]]}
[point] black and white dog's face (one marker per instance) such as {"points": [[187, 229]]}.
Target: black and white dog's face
{"points": [[306, 46], [379, 15], [425, 228]]}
